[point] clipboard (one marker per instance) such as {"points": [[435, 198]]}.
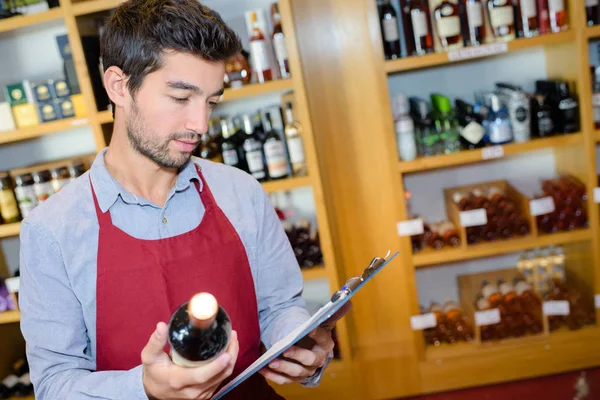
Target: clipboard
{"points": [[338, 299]]}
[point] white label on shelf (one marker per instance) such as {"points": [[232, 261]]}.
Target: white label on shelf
{"points": [[476, 52], [473, 218], [492, 152], [423, 321], [12, 284], [556, 307], [597, 300], [487, 317], [542, 206], [79, 122], [597, 195], [411, 227]]}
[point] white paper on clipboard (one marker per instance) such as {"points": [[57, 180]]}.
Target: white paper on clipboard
{"points": [[321, 316]]}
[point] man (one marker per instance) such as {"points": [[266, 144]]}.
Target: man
{"points": [[106, 261]]}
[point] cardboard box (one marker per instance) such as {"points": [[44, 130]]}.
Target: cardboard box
{"points": [[25, 115], [7, 122], [19, 93], [61, 88], [43, 91], [47, 111], [65, 108], [79, 105]]}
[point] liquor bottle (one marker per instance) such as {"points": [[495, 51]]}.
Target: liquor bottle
{"points": [[542, 124], [487, 331], [426, 135], [258, 51], [592, 12], [559, 19], [281, 53], [209, 149], [447, 18], [7, 386], [9, 208], [421, 36], [443, 330], [519, 110], [568, 110], [490, 292], [502, 19], [293, 135], [499, 128], [199, 331], [458, 324], [595, 98], [473, 22], [528, 18], [390, 32], [445, 123], [237, 71], [471, 131], [510, 298], [449, 233], [405, 138], [274, 149], [229, 147], [253, 149]]}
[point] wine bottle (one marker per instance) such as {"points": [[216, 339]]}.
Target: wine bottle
{"points": [[254, 152], [275, 154], [199, 331]]}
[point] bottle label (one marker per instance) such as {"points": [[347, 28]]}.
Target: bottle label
{"points": [[556, 307], [419, 23], [58, 184], [505, 288], [567, 104], [255, 164], [230, 157], [10, 381], [542, 206], [296, 149], [474, 15], [390, 29], [411, 227], [597, 300], [500, 133], [596, 99], [528, 9], [473, 218], [43, 191], [502, 16], [591, 3], [522, 287], [555, 6], [448, 26], [597, 195], [26, 198], [545, 125], [8, 205], [258, 51], [489, 290], [422, 322], [280, 48], [487, 317], [275, 154], [473, 132]]}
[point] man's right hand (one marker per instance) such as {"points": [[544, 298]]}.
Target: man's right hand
{"points": [[164, 380]]}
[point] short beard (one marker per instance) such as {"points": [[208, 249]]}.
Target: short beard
{"points": [[144, 141]]}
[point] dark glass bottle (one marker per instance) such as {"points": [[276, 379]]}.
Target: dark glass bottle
{"points": [[253, 149], [502, 19], [471, 131], [542, 124], [474, 27], [275, 153], [390, 31], [568, 107], [230, 149], [420, 35], [592, 12], [199, 331], [526, 17], [447, 19], [425, 133]]}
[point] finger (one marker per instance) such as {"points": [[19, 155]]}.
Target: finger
{"points": [[339, 314], [323, 339], [277, 378], [306, 357], [292, 369], [213, 369], [154, 351]]}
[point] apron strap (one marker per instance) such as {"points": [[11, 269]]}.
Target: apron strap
{"points": [[104, 219], [205, 194]]}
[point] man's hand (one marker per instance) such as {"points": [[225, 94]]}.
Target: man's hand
{"points": [[165, 380], [306, 357]]}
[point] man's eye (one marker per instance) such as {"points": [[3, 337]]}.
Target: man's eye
{"points": [[180, 99], [213, 104]]}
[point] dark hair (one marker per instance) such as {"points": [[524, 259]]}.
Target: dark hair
{"points": [[139, 31]]}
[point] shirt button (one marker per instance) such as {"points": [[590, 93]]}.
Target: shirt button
{"points": [[165, 220]]}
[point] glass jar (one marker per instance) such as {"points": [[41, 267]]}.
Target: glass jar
{"points": [[76, 169], [25, 193], [42, 185], [60, 177], [9, 209]]}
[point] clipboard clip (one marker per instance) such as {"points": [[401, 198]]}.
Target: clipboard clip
{"points": [[352, 283]]}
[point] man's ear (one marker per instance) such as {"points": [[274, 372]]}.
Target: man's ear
{"points": [[115, 84]]}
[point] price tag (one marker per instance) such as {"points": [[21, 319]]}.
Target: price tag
{"points": [[492, 152], [542, 206], [79, 122], [556, 307], [597, 195], [411, 227], [423, 321], [597, 300], [487, 317], [473, 218], [477, 52]]}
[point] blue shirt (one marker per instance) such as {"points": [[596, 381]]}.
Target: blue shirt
{"points": [[59, 246]]}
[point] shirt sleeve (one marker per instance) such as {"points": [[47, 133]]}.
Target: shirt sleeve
{"points": [[61, 366], [280, 283]]}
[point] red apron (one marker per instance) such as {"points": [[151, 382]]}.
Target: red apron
{"points": [[142, 282]]}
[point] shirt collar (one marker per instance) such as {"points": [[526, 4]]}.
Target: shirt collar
{"points": [[107, 189]]}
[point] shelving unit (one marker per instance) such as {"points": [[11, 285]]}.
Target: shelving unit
{"points": [[47, 128], [9, 230], [27, 21], [9, 317]]}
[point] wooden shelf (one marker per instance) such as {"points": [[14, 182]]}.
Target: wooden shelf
{"points": [[94, 6], [313, 273], [9, 230], [481, 155], [436, 59], [428, 257], [258, 89], [597, 135], [46, 128], [286, 184], [22, 398], [26, 21], [592, 32], [9, 317], [105, 117]]}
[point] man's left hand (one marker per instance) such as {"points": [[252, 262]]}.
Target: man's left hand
{"points": [[304, 359]]}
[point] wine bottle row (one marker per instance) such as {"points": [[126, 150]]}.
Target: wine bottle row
{"points": [[427, 26], [504, 115], [17, 383]]}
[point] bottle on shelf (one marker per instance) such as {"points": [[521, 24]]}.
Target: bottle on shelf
{"points": [[501, 17], [418, 28], [445, 123], [199, 331], [390, 31], [499, 127], [490, 292], [259, 51], [295, 142], [253, 149], [426, 136], [459, 326], [473, 22], [564, 104], [527, 21], [449, 233], [447, 19], [519, 109], [9, 208], [542, 124], [592, 12], [559, 19], [405, 129], [281, 53], [274, 149], [595, 97], [237, 71], [230, 148], [471, 130]]}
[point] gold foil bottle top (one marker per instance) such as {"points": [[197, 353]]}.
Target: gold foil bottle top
{"points": [[202, 310]]}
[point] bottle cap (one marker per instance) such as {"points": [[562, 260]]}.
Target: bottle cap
{"points": [[202, 310], [441, 103]]}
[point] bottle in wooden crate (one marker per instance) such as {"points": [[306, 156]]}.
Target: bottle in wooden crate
{"points": [[486, 331], [459, 325], [442, 329], [449, 233]]}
